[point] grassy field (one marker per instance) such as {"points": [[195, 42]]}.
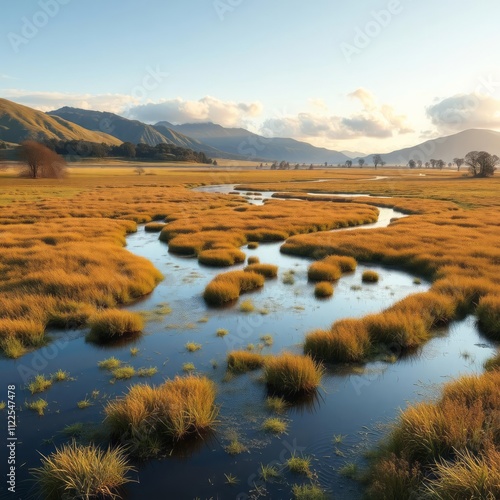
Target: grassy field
{"points": [[63, 262]]}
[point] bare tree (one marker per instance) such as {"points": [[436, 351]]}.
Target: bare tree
{"points": [[361, 162], [41, 161], [458, 162], [481, 163], [377, 160]]}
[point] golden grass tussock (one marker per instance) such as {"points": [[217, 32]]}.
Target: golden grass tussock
{"points": [[322, 271], [370, 276], [244, 361], [323, 289], [172, 411], [488, 315], [346, 264], [348, 341], [76, 471], [292, 374], [154, 227], [448, 448], [112, 324], [221, 257], [227, 287], [493, 363], [267, 270], [253, 260]]}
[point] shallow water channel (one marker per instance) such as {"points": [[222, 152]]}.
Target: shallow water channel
{"points": [[354, 404]]}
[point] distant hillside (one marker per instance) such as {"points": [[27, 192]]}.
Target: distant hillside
{"points": [[445, 148], [19, 123], [132, 131], [248, 145], [353, 154]]}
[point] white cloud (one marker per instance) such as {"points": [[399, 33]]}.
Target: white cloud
{"points": [[207, 109], [48, 101], [373, 120], [464, 111]]}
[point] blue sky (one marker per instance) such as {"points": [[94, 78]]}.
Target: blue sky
{"points": [[365, 75]]}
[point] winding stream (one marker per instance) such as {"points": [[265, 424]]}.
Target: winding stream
{"points": [[354, 404]]}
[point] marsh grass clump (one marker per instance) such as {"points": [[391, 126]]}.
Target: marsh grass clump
{"points": [[247, 306], [221, 332], [267, 270], [308, 492], [3, 405], [291, 374], [60, 376], [445, 446], [346, 264], [252, 245], [488, 314], [147, 372], [193, 346], [370, 276], [221, 257], [188, 367], [235, 447], [76, 471], [182, 407], [123, 372], [244, 361], [268, 472], [109, 363], [322, 271], [275, 425], [323, 289], [39, 384], [112, 324], [227, 287], [267, 340], [277, 404], [253, 260], [299, 465], [289, 277], [347, 341], [493, 363], [84, 403], [39, 406], [349, 470]]}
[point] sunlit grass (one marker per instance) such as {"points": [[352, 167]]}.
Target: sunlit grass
{"points": [[193, 346], [109, 363], [275, 425], [39, 384], [267, 270], [60, 376], [243, 361], [39, 406], [322, 271], [323, 289], [221, 332], [123, 372], [113, 324], [147, 372], [299, 465], [247, 306], [370, 276], [277, 404], [308, 492], [76, 471]]}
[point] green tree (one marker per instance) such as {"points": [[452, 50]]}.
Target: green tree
{"points": [[481, 163]]}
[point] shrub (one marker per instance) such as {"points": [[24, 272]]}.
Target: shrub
{"points": [[321, 271], [348, 341], [221, 257], [369, 276], [174, 410], [113, 324], [267, 270], [488, 314], [292, 374], [244, 361], [346, 264], [323, 289], [76, 471]]}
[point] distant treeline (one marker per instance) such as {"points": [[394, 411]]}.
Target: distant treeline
{"points": [[162, 152]]}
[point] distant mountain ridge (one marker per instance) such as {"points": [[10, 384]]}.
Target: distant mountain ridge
{"points": [[445, 148], [19, 123], [132, 131], [252, 146]]}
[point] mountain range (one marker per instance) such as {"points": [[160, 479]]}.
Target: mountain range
{"points": [[19, 123]]}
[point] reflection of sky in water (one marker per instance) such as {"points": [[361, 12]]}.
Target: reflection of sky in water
{"points": [[349, 404]]}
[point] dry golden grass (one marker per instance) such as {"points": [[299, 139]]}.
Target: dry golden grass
{"points": [[291, 374], [244, 361], [147, 415], [221, 257], [112, 324], [488, 314], [227, 287], [267, 270], [448, 448], [322, 271], [75, 471], [346, 264], [323, 289]]}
